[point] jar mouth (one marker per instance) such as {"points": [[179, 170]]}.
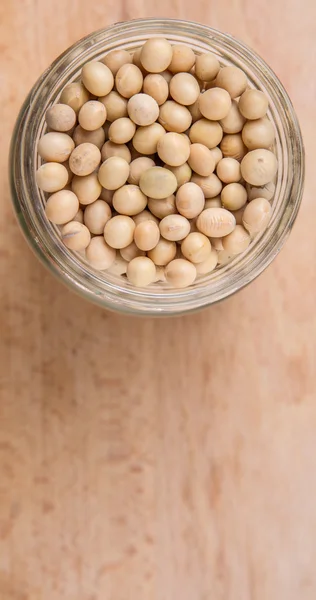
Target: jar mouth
{"points": [[115, 293]]}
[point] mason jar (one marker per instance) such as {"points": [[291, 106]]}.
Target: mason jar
{"points": [[115, 292]]}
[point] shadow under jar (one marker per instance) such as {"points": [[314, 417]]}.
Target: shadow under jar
{"points": [[115, 292]]}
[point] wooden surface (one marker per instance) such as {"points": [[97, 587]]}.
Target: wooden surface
{"points": [[158, 460]]}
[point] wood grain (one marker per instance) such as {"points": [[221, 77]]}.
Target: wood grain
{"points": [[158, 460]]}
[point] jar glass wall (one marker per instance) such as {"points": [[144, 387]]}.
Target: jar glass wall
{"points": [[116, 292]]}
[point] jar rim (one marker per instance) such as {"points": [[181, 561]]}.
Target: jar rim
{"points": [[28, 200]]}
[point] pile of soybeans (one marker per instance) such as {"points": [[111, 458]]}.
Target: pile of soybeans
{"points": [[158, 166]]}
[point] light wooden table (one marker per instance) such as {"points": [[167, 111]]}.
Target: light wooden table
{"points": [[158, 460]]}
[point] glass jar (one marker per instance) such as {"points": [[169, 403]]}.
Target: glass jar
{"points": [[117, 293]]}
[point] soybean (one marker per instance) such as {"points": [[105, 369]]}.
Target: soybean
{"points": [[163, 208], [206, 66], [55, 147], [195, 111], [122, 130], [173, 149], [146, 139], [62, 207], [141, 271], [138, 167], [142, 109], [215, 104], [183, 59], [216, 222], [78, 216], [51, 177], [259, 167], [201, 160], [232, 146], [119, 231], [234, 120], [208, 133], [237, 241], [196, 247], [146, 235], [119, 266], [92, 115], [156, 55], [75, 235], [97, 78], [163, 253], [115, 105], [180, 273], [129, 80], [156, 86], [213, 202], [84, 159], [131, 251], [264, 191], [228, 170], [61, 117], [96, 137], [110, 149], [233, 80], [99, 254], [253, 104], [86, 188], [174, 117], [113, 173], [182, 173], [190, 200], [74, 95], [208, 264], [217, 154], [145, 215], [174, 227], [158, 182], [129, 200], [96, 215], [257, 215], [115, 59], [211, 185], [184, 88], [258, 134], [234, 196]]}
